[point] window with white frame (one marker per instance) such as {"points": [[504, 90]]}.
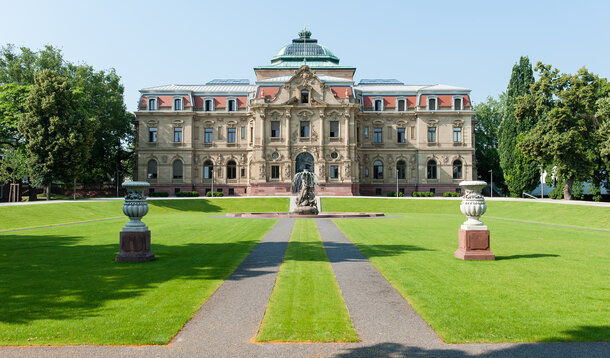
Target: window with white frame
{"points": [[152, 134], [208, 135], [231, 132], [432, 103], [457, 103], [457, 134], [153, 104], [177, 134], [177, 103], [378, 135], [231, 105], [378, 104], [431, 134], [401, 104], [208, 104]]}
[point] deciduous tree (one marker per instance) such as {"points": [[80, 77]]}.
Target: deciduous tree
{"points": [[488, 116]]}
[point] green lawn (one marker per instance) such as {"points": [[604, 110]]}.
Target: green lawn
{"points": [[61, 285], [306, 304], [547, 284]]}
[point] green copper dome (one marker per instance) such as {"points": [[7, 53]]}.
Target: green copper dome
{"points": [[304, 51]]}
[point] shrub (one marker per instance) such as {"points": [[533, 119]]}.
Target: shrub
{"points": [[393, 194], [451, 195], [187, 193], [158, 194], [216, 193], [422, 194]]}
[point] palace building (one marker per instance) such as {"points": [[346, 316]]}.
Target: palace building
{"points": [[304, 111]]}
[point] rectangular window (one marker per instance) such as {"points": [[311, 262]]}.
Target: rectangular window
{"points": [[231, 105], [243, 132], [432, 104], [304, 132], [357, 134], [378, 135], [401, 105], [378, 105], [231, 191], [400, 135], [152, 104], [208, 105], [231, 135], [275, 172], [366, 132], [152, 134], [177, 104], [243, 172], [275, 129], [431, 134], [457, 134], [208, 135], [457, 104], [178, 134], [334, 172], [304, 96], [334, 129]]}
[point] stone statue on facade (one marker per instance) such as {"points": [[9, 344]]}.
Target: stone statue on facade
{"points": [[305, 200]]}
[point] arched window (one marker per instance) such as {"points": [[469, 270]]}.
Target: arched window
{"points": [[401, 105], [152, 169], [177, 104], [431, 173], [208, 169], [152, 104], [231, 169], [401, 169], [457, 169], [378, 169], [432, 103], [177, 169]]}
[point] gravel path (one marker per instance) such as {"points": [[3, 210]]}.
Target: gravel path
{"points": [[227, 323]]}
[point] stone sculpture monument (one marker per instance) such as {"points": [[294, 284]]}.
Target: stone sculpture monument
{"points": [[473, 234], [135, 236], [305, 183]]}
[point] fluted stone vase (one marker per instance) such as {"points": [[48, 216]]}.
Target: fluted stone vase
{"points": [[135, 236], [473, 234]]}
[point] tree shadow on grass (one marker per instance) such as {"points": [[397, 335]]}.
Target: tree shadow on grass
{"points": [[525, 256], [202, 205], [585, 334], [396, 350], [56, 277]]}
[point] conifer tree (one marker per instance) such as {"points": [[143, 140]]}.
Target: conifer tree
{"points": [[521, 174]]}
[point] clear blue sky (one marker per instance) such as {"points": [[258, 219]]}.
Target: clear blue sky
{"points": [[461, 43]]}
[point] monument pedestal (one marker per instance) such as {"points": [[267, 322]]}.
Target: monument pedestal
{"points": [[135, 247], [474, 245]]}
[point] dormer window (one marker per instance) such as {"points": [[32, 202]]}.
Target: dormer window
{"points": [[177, 104], [152, 104], [457, 103], [304, 96], [208, 105], [432, 103], [401, 105], [378, 105], [231, 105]]}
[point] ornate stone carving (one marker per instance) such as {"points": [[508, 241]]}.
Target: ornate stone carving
{"points": [[473, 204]]}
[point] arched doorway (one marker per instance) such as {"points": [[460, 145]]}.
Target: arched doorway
{"points": [[304, 161]]}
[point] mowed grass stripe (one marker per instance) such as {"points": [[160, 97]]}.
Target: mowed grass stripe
{"points": [[306, 304]]}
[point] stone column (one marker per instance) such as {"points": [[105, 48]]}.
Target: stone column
{"points": [[135, 237], [473, 234]]}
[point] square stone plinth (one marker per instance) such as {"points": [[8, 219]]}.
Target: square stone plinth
{"points": [[135, 247], [474, 245]]}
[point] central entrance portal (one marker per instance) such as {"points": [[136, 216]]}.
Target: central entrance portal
{"points": [[304, 161]]}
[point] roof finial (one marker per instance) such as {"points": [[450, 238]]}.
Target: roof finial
{"points": [[305, 34]]}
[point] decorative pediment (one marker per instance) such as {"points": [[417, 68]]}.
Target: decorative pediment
{"points": [[432, 122], [458, 123], [305, 114], [304, 79], [152, 122]]}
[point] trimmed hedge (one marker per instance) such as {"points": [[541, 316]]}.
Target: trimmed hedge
{"points": [[216, 193], [158, 194], [450, 194], [393, 194], [187, 193], [422, 194]]}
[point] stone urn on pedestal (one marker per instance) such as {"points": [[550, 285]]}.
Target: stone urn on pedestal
{"points": [[135, 236], [473, 234]]}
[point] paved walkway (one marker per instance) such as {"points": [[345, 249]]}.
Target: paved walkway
{"points": [[386, 324]]}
